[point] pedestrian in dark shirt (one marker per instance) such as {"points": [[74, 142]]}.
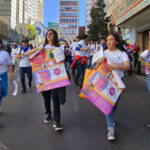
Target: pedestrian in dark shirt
{"points": [[136, 49]]}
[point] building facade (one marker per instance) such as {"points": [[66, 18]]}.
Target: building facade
{"points": [[18, 13], [81, 30], [132, 17], [88, 6], [40, 11], [69, 18], [3, 28]]}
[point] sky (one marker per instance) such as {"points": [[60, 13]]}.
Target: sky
{"points": [[51, 12]]}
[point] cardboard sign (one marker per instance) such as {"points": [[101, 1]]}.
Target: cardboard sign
{"points": [[48, 74], [102, 90]]}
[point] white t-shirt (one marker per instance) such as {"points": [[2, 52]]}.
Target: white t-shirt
{"points": [[24, 60], [14, 51], [144, 54], [47, 47], [73, 48], [58, 53], [117, 57], [92, 49], [5, 60], [81, 44]]}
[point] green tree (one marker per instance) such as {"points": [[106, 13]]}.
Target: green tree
{"points": [[99, 21], [31, 30]]}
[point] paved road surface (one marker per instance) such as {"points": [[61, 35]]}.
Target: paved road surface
{"points": [[22, 127]]}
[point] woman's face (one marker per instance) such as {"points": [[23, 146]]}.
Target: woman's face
{"points": [[50, 36], [25, 44], [111, 42], [136, 43], [67, 45]]}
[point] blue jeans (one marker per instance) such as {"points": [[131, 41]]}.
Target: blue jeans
{"points": [[89, 62], [148, 82], [110, 117], [23, 71], [67, 66], [80, 70], [1, 91]]}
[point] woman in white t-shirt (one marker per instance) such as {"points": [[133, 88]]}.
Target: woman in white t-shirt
{"points": [[119, 62], [51, 42], [5, 62]]}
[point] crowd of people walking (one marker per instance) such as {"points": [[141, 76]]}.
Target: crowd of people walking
{"points": [[79, 55]]}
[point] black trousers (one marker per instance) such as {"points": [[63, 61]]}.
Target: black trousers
{"points": [[136, 57], [56, 103]]}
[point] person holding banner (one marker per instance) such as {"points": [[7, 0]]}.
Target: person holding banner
{"points": [[5, 61], [118, 61], [80, 60], [50, 44]]}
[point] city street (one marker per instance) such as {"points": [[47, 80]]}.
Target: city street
{"points": [[22, 126]]}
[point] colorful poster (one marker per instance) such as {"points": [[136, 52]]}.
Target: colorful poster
{"points": [[47, 72], [102, 90]]}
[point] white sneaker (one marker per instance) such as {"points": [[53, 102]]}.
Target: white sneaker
{"points": [[111, 136]]}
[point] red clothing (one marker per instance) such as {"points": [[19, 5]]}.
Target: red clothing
{"points": [[77, 57], [136, 48]]}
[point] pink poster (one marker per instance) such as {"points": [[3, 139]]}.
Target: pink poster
{"points": [[102, 90], [47, 73]]}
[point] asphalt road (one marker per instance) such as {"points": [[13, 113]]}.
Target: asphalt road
{"points": [[22, 126]]}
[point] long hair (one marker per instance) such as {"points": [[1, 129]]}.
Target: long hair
{"points": [[119, 43], [55, 41], [66, 46]]}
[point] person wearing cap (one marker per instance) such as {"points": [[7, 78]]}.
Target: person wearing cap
{"points": [[13, 55], [5, 62], [24, 65]]}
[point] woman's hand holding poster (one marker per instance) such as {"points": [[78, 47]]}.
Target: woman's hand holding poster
{"points": [[47, 72], [102, 89]]}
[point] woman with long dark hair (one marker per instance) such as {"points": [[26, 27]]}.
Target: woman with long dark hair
{"points": [[119, 60], [51, 42]]}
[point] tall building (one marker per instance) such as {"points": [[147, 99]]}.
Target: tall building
{"points": [[3, 28], [40, 11], [18, 13], [88, 6], [31, 11], [69, 18], [132, 19]]}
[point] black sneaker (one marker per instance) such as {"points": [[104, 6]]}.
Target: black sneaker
{"points": [[23, 92], [76, 82], [57, 126], [47, 118], [30, 85]]}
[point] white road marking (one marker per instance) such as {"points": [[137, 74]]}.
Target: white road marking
{"points": [[3, 147]]}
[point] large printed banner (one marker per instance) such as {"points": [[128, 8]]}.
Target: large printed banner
{"points": [[102, 90], [47, 73]]}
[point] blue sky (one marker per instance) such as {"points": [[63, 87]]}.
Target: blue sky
{"points": [[51, 12]]}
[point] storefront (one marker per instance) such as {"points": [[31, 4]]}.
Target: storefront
{"points": [[134, 19]]}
